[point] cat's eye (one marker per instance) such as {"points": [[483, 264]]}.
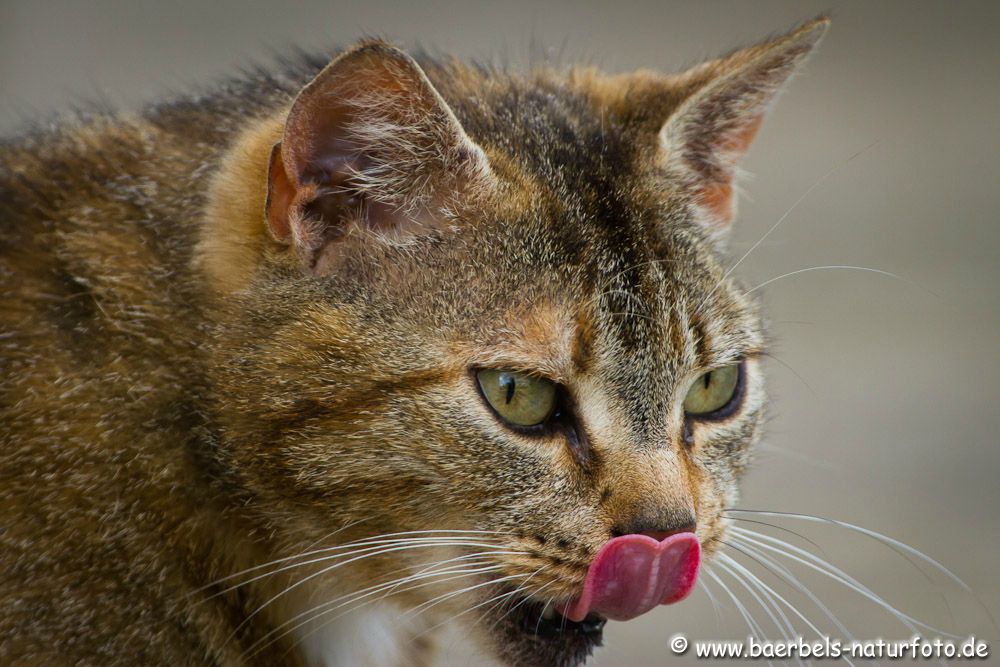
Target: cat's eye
{"points": [[715, 394], [520, 399]]}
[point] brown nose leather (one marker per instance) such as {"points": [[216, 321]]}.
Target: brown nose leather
{"points": [[660, 535], [659, 530]]}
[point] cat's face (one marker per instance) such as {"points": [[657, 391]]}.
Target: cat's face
{"points": [[502, 314]]}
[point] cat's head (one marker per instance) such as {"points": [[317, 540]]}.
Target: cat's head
{"points": [[453, 299]]}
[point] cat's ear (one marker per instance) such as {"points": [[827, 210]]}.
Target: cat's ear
{"points": [[722, 105], [369, 149]]}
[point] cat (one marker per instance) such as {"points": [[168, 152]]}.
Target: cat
{"points": [[295, 371]]}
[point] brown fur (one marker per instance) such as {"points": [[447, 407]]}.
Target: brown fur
{"points": [[187, 391]]}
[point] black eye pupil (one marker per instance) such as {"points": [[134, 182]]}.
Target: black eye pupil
{"points": [[509, 384], [708, 379]]}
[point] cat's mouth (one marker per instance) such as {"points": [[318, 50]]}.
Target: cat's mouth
{"points": [[629, 576], [542, 620], [533, 633]]}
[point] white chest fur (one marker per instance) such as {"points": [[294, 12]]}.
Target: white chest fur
{"points": [[374, 636]]}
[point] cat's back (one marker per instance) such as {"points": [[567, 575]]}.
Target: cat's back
{"points": [[100, 212], [99, 339], [97, 224]]}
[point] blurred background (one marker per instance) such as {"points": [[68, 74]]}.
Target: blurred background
{"points": [[882, 154]]}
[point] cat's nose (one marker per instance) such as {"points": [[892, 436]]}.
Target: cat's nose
{"points": [[658, 528]]}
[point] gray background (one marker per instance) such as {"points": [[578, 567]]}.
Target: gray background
{"points": [[884, 411]]}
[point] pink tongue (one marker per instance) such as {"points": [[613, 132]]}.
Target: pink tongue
{"points": [[632, 574]]}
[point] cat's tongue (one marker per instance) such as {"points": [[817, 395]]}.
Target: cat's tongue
{"points": [[632, 574]]}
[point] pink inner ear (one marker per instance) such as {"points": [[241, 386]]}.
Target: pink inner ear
{"points": [[717, 196], [738, 142], [280, 194], [717, 200]]}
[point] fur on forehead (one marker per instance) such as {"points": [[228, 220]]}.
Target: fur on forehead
{"points": [[542, 338]]}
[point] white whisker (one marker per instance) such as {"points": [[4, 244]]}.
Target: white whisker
{"points": [[885, 539], [784, 216], [836, 574], [746, 578], [362, 542], [829, 267], [330, 606], [524, 599], [368, 548], [326, 537], [524, 585], [368, 552], [388, 588], [755, 628], [789, 577], [714, 601], [783, 626], [765, 587], [433, 602], [495, 598]]}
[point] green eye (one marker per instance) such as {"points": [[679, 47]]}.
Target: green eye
{"points": [[713, 392], [519, 398]]}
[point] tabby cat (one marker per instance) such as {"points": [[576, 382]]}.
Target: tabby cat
{"points": [[297, 371]]}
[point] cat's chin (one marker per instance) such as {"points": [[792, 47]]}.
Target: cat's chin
{"points": [[533, 634]]}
